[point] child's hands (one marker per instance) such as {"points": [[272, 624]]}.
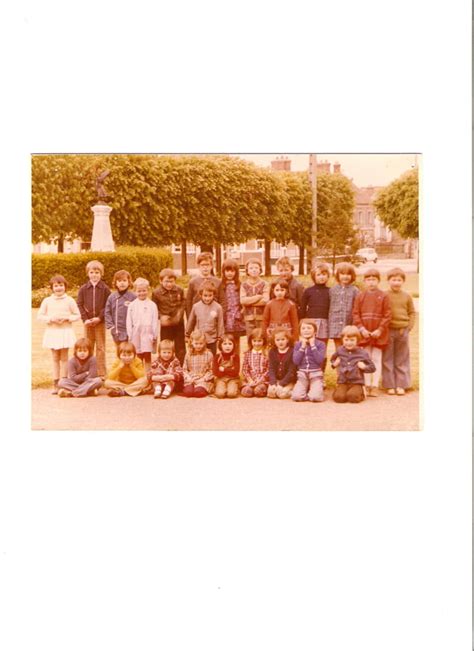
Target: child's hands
{"points": [[165, 320], [376, 333], [365, 333], [360, 365], [337, 361]]}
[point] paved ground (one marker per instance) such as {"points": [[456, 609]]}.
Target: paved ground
{"points": [[177, 413]]}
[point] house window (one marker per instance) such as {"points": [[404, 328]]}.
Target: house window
{"points": [[360, 217], [260, 244]]}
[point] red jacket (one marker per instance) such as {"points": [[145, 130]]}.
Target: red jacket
{"points": [[371, 311]]}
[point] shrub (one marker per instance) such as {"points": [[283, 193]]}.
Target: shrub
{"points": [[139, 261]]}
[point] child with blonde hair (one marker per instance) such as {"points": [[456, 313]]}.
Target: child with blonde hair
{"points": [[255, 366], [351, 363], [165, 373], [206, 316], [142, 322], [281, 368], [341, 301], [58, 311], [308, 356], [205, 264], [226, 368], [127, 376], [254, 295], [197, 367], [82, 379]]}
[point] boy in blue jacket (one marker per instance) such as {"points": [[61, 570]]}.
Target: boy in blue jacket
{"points": [[351, 363], [117, 304]]}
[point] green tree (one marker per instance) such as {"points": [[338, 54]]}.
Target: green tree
{"points": [[397, 205], [298, 210]]}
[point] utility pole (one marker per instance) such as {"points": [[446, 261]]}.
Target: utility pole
{"points": [[313, 179]]}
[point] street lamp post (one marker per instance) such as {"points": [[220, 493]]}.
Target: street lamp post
{"points": [[313, 178]]}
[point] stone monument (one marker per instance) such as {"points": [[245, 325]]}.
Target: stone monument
{"points": [[101, 231]]}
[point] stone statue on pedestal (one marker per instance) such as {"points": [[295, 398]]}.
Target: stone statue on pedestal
{"points": [[101, 232], [102, 195]]}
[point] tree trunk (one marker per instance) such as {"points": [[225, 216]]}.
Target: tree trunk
{"points": [[218, 259], [60, 244], [268, 266], [308, 260], [301, 260], [184, 258]]}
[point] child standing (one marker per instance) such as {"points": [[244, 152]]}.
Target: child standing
{"points": [[254, 295], [58, 311], [226, 368], [308, 356], [341, 301], [351, 363], [166, 372], [142, 322], [229, 297], [204, 262], [207, 317], [280, 312], [255, 366], [91, 300], [197, 368], [285, 270], [127, 376], [315, 302], [372, 315], [82, 377], [117, 304], [396, 356], [281, 368], [169, 299]]}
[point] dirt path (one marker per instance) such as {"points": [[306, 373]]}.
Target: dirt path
{"points": [[177, 413]]}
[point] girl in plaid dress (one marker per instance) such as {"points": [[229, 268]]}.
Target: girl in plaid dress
{"points": [[197, 367], [341, 301], [255, 366], [229, 297]]}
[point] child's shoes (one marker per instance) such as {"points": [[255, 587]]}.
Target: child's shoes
{"points": [[391, 392], [115, 393], [64, 393], [373, 392], [399, 391], [55, 387]]}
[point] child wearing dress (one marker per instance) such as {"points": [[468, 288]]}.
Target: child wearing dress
{"points": [[229, 297], [197, 367], [372, 315], [142, 322], [254, 295], [281, 368], [255, 366], [117, 304], [204, 262], [58, 311], [166, 373], [127, 376], [91, 301], [341, 301], [308, 356], [351, 363], [169, 299], [226, 368], [396, 356], [207, 316], [82, 379], [285, 270], [280, 312]]}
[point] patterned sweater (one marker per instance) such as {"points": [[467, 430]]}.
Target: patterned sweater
{"points": [[255, 367], [372, 311]]}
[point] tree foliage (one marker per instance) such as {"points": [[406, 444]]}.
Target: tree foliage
{"points": [[397, 205], [335, 225]]}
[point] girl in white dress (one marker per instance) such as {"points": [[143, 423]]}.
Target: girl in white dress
{"points": [[143, 322], [58, 311]]}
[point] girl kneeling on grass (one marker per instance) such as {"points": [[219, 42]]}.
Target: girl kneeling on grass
{"points": [[197, 367], [226, 368], [308, 356], [255, 366], [82, 377], [127, 376]]}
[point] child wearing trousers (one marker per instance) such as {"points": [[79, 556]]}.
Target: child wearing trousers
{"points": [[91, 301], [166, 372], [254, 295], [169, 299], [308, 356], [341, 301], [127, 376], [58, 311], [351, 363], [372, 315], [116, 308], [142, 322], [281, 368], [226, 368], [82, 379], [396, 356], [255, 366], [197, 367], [207, 316], [229, 297]]}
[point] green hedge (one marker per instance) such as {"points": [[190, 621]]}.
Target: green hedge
{"points": [[139, 261]]}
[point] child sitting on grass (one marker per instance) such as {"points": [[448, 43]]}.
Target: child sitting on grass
{"points": [[82, 377], [351, 363], [166, 372], [282, 370], [255, 366], [226, 368], [197, 368], [127, 376]]}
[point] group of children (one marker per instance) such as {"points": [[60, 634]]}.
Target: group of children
{"points": [[287, 329]]}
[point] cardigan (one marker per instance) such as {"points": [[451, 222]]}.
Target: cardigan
{"points": [[281, 369], [91, 300], [347, 371], [315, 302], [280, 312], [115, 314], [372, 311], [209, 319], [192, 295], [230, 362], [309, 358]]}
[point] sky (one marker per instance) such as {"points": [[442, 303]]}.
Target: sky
{"points": [[363, 169]]}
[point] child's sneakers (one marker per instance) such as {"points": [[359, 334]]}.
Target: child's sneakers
{"points": [[115, 393], [373, 392], [391, 392], [399, 391], [157, 393], [64, 393]]}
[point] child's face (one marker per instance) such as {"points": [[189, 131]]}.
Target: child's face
{"points": [[207, 297], [198, 345], [279, 292], [281, 341], [82, 353], [321, 277], [257, 343], [168, 282], [205, 268], [345, 279], [121, 284], [395, 283], [349, 342], [94, 275], [253, 270], [371, 282], [166, 354], [58, 289], [307, 331], [142, 292], [227, 346], [284, 270], [229, 274], [127, 356]]}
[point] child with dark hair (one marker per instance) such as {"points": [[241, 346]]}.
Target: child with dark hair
{"points": [[285, 270], [127, 376], [169, 299], [226, 368], [58, 311], [280, 312], [166, 373], [82, 377], [255, 366], [116, 308], [351, 363], [197, 367], [281, 368], [229, 297], [206, 272], [341, 301], [207, 316]]}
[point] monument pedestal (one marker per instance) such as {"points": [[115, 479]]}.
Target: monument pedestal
{"points": [[101, 231]]}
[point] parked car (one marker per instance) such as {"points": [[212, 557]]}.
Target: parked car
{"points": [[368, 254]]}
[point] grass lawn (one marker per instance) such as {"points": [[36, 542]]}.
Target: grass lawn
{"points": [[42, 365]]}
